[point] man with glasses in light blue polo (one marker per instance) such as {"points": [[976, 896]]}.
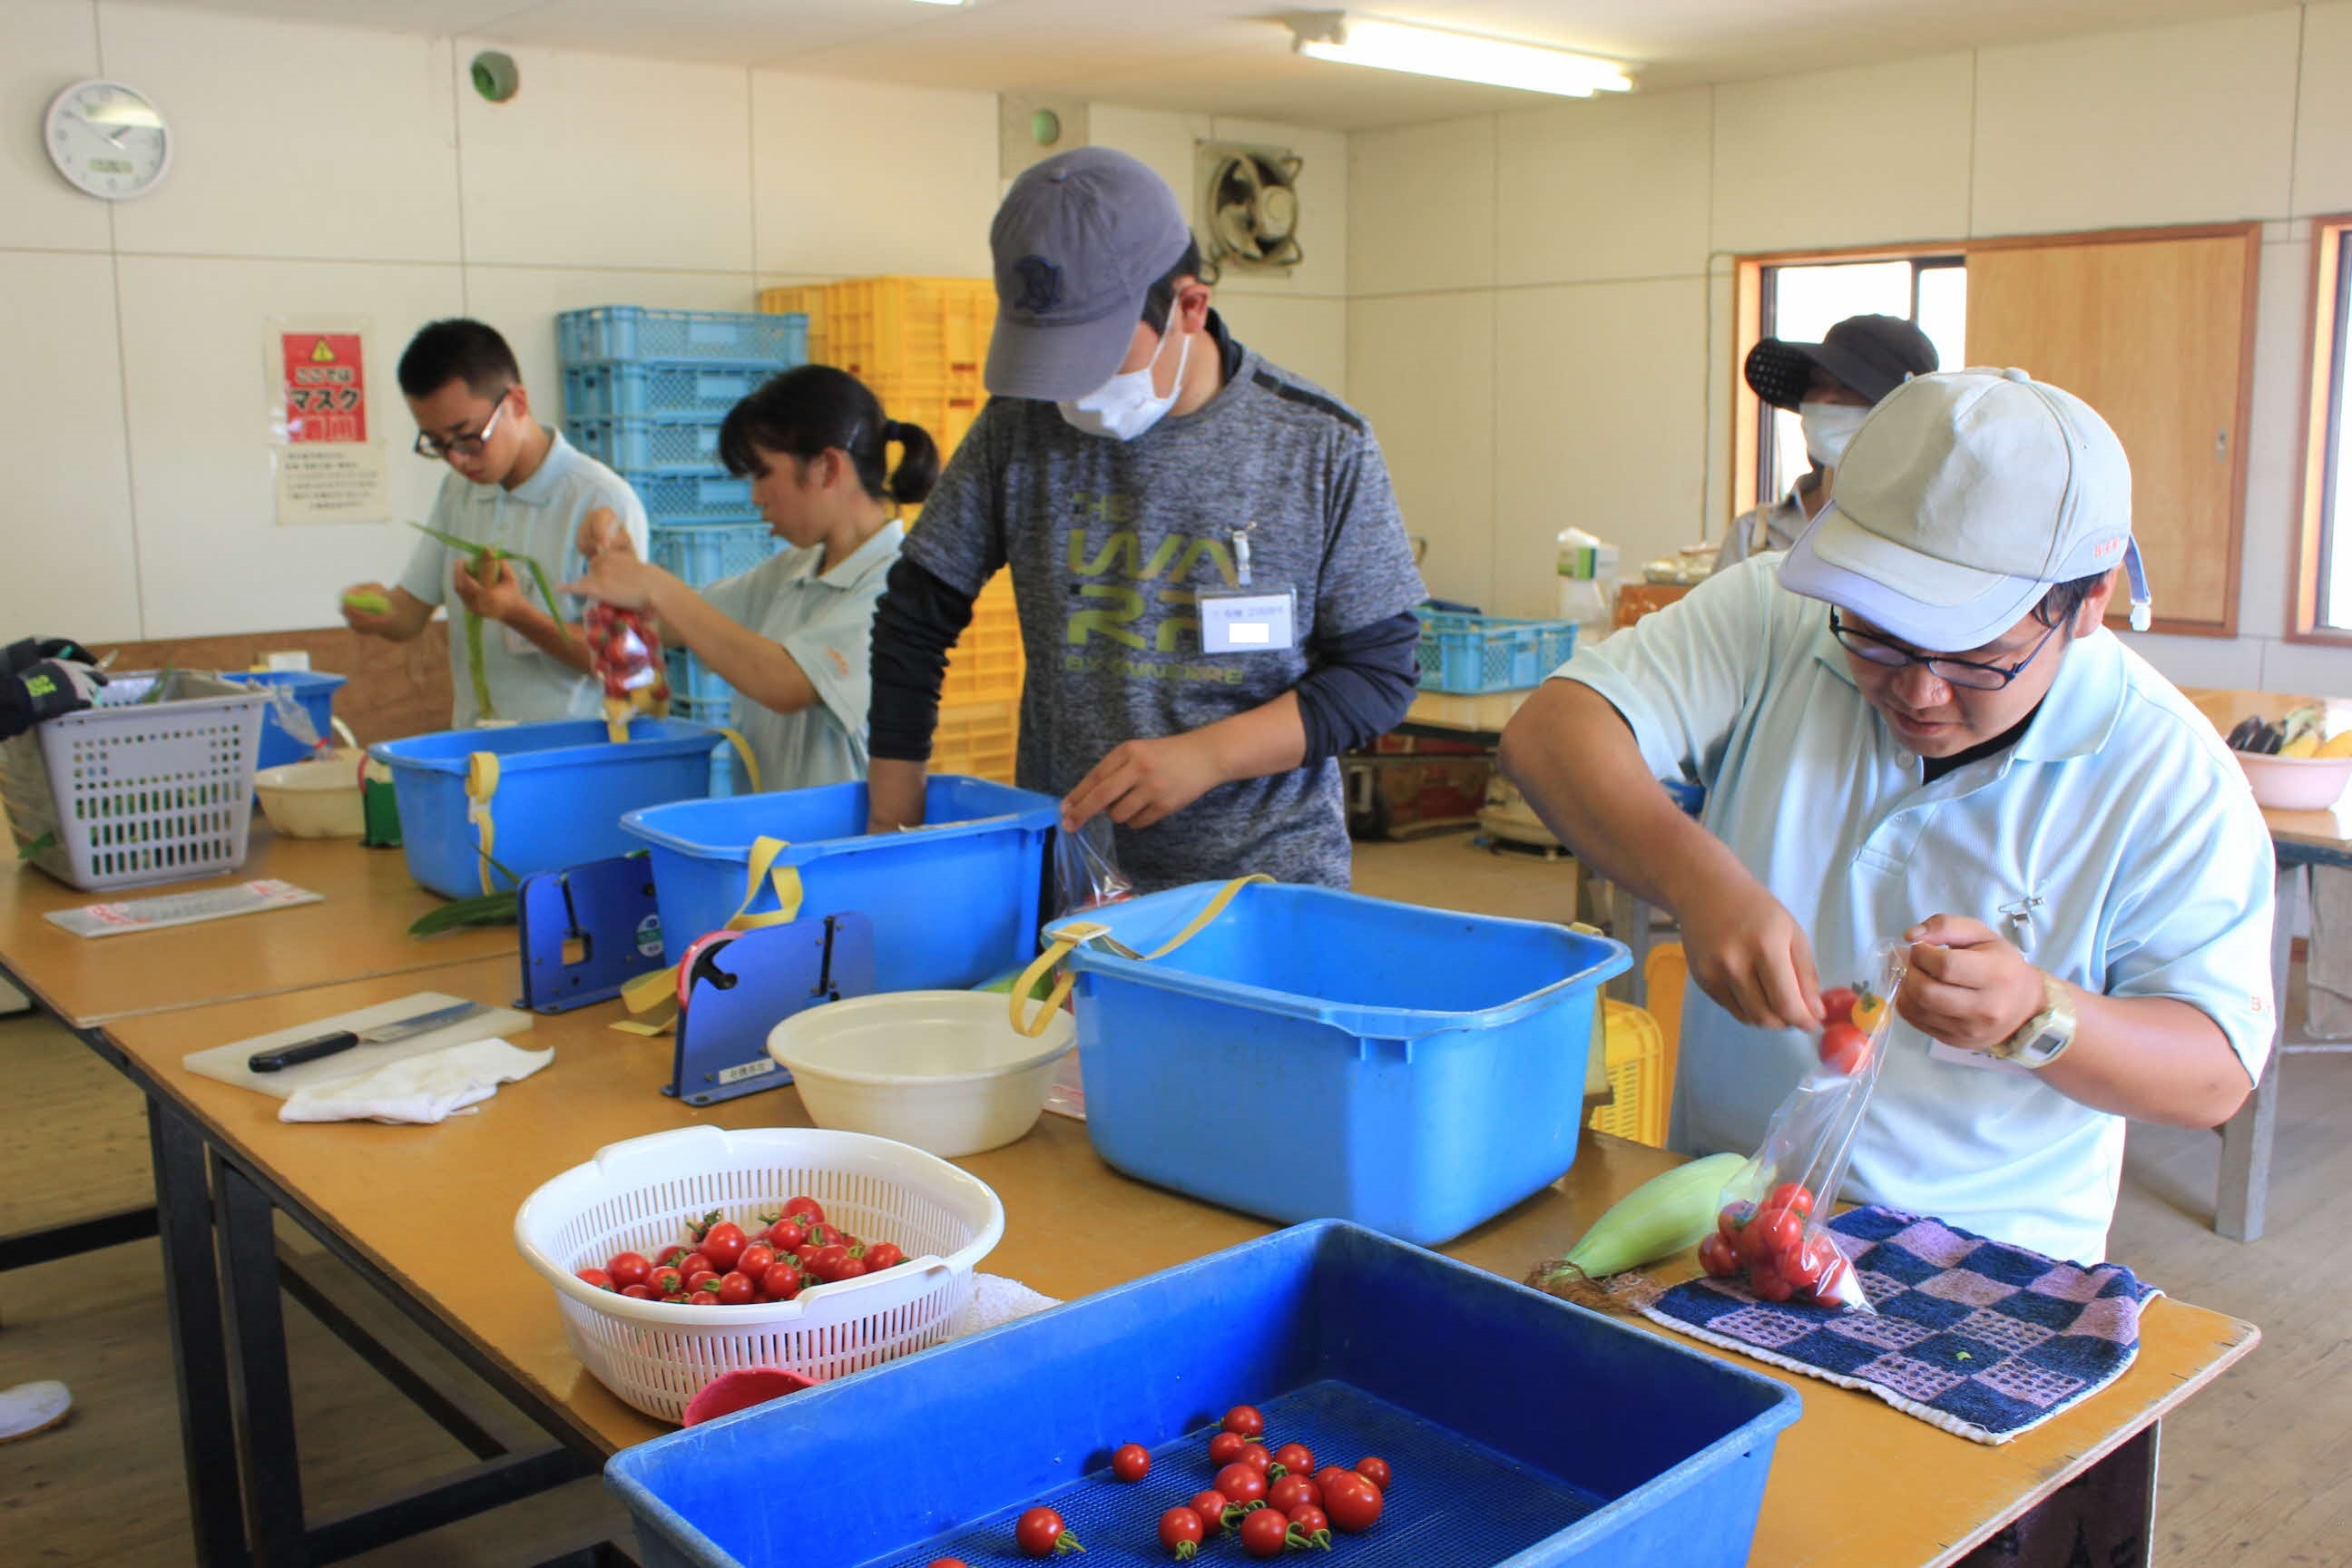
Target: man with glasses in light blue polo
{"points": [[514, 483], [1914, 727]]}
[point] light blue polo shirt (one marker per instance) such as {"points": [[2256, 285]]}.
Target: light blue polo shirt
{"points": [[825, 621], [2118, 810], [541, 519]]}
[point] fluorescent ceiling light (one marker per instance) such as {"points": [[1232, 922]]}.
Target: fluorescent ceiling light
{"points": [[939, 2], [1460, 56]]}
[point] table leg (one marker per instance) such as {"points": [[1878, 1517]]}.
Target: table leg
{"points": [[199, 1356], [2105, 1516], [265, 1397], [2246, 1137]]}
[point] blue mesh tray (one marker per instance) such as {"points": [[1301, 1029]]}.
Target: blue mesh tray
{"points": [[1521, 1430]]}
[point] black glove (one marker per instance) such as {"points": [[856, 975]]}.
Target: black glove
{"points": [[48, 689], [22, 656]]}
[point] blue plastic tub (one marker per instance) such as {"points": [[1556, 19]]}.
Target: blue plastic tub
{"points": [[607, 389], [1428, 1067], [708, 337], [953, 902], [1470, 654], [562, 790], [671, 444], [1521, 1430], [316, 693]]}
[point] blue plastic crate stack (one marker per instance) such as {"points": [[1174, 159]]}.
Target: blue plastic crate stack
{"points": [[645, 392]]}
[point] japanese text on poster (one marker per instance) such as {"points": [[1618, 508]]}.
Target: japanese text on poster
{"points": [[327, 468]]}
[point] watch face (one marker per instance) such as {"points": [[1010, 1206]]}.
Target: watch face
{"points": [[108, 139]]}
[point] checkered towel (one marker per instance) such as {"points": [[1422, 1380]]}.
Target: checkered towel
{"points": [[1978, 1337]]}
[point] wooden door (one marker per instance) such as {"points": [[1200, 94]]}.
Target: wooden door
{"points": [[2155, 331]]}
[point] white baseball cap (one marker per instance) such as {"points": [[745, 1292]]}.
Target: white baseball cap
{"points": [[1960, 501]]}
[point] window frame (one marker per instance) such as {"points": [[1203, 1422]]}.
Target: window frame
{"points": [[2327, 316]]}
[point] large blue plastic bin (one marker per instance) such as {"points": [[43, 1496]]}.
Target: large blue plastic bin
{"points": [[1411, 1069], [1522, 1430], [723, 337], [953, 903], [562, 790], [316, 693]]}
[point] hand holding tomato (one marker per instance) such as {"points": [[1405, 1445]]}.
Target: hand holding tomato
{"points": [[1747, 953], [1142, 781]]}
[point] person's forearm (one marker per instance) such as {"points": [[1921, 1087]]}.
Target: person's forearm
{"points": [[1268, 739], [552, 637], [2151, 1058], [894, 795], [1569, 753], [756, 666]]}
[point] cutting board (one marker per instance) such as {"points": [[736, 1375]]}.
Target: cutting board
{"points": [[227, 1063]]}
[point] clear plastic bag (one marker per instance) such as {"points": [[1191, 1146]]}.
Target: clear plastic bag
{"points": [[626, 649], [1085, 871], [1772, 1230]]}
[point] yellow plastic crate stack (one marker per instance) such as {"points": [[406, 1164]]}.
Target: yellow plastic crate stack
{"points": [[920, 344], [1634, 1052]]}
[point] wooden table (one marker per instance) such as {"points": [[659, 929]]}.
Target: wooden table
{"points": [[360, 929], [1855, 1482]]}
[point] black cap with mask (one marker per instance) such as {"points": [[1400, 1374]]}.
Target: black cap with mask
{"points": [[1871, 354]]}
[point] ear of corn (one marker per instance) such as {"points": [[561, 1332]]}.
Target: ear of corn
{"points": [[1657, 1219]]}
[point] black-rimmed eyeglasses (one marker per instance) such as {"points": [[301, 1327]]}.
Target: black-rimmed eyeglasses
{"points": [[1887, 654], [439, 448]]}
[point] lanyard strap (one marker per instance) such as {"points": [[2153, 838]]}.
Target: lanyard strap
{"points": [[1078, 932]]}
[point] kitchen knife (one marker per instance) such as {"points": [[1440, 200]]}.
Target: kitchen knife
{"points": [[280, 1056]]}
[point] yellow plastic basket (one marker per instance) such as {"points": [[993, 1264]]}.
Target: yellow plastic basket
{"points": [[1635, 1051], [978, 739]]}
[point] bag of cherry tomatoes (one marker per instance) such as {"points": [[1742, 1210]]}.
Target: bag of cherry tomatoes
{"points": [[626, 651], [1773, 1227]]}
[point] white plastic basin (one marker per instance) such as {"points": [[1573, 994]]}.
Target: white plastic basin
{"points": [[943, 1071], [318, 799]]}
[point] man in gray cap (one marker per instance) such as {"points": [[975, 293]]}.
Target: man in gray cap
{"points": [[1915, 729], [1831, 387], [1214, 587]]}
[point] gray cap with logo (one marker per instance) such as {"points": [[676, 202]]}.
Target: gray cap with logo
{"points": [[1080, 241]]}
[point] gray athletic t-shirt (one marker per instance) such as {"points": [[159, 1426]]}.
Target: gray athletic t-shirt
{"points": [[1108, 541]]}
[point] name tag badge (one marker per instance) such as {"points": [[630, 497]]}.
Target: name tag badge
{"points": [[1940, 1052], [1248, 621]]}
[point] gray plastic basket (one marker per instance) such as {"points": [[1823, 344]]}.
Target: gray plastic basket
{"points": [[133, 791]]}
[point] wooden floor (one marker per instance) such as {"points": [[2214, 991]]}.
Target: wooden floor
{"points": [[2247, 1473]]}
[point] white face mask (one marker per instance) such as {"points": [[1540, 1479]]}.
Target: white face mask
{"points": [[1828, 427], [1125, 406]]}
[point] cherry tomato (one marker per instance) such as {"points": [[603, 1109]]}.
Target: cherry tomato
{"points": [[596, 1277], [827, 1263], [665, 1280], [1353, 1503], [680, 1299], [1750, 1244], [1783, 1234], [883, 1255], [669, 1254], [779, 1283], [1767, 1283], [1265, 1533], [1844, 1048], [695, 1263], [1210, 1506], [1225, 1447], [723, 1244], [638, 1293], [1255, 1455], [699, 1279], [1293, 1491], [1328, 1474], [1240, 1484], [1131, 1461], [1314, 1525], [1837, 1003], [738, 1290], [628, 1268], [786, 1236], [946, 1563], [1717, 1257], [1733, 1219], [1794, 1197], [1245, 1420], [805, 1210], [1297, 1458], [1040, 1533], [1375, 1472], [755, 1259], [1180, 1530], [851, 1268]]}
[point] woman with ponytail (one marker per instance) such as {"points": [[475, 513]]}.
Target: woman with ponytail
{"points": [[793, 634]]}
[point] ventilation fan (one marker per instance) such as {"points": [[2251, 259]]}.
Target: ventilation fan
{"points": [[1249, 206]]}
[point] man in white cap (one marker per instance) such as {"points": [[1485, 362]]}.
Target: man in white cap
{"points": [[1214, 586], [1914, 727]]}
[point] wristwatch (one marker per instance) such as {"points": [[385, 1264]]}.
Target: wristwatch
{"points": [[2043, 1037]]}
